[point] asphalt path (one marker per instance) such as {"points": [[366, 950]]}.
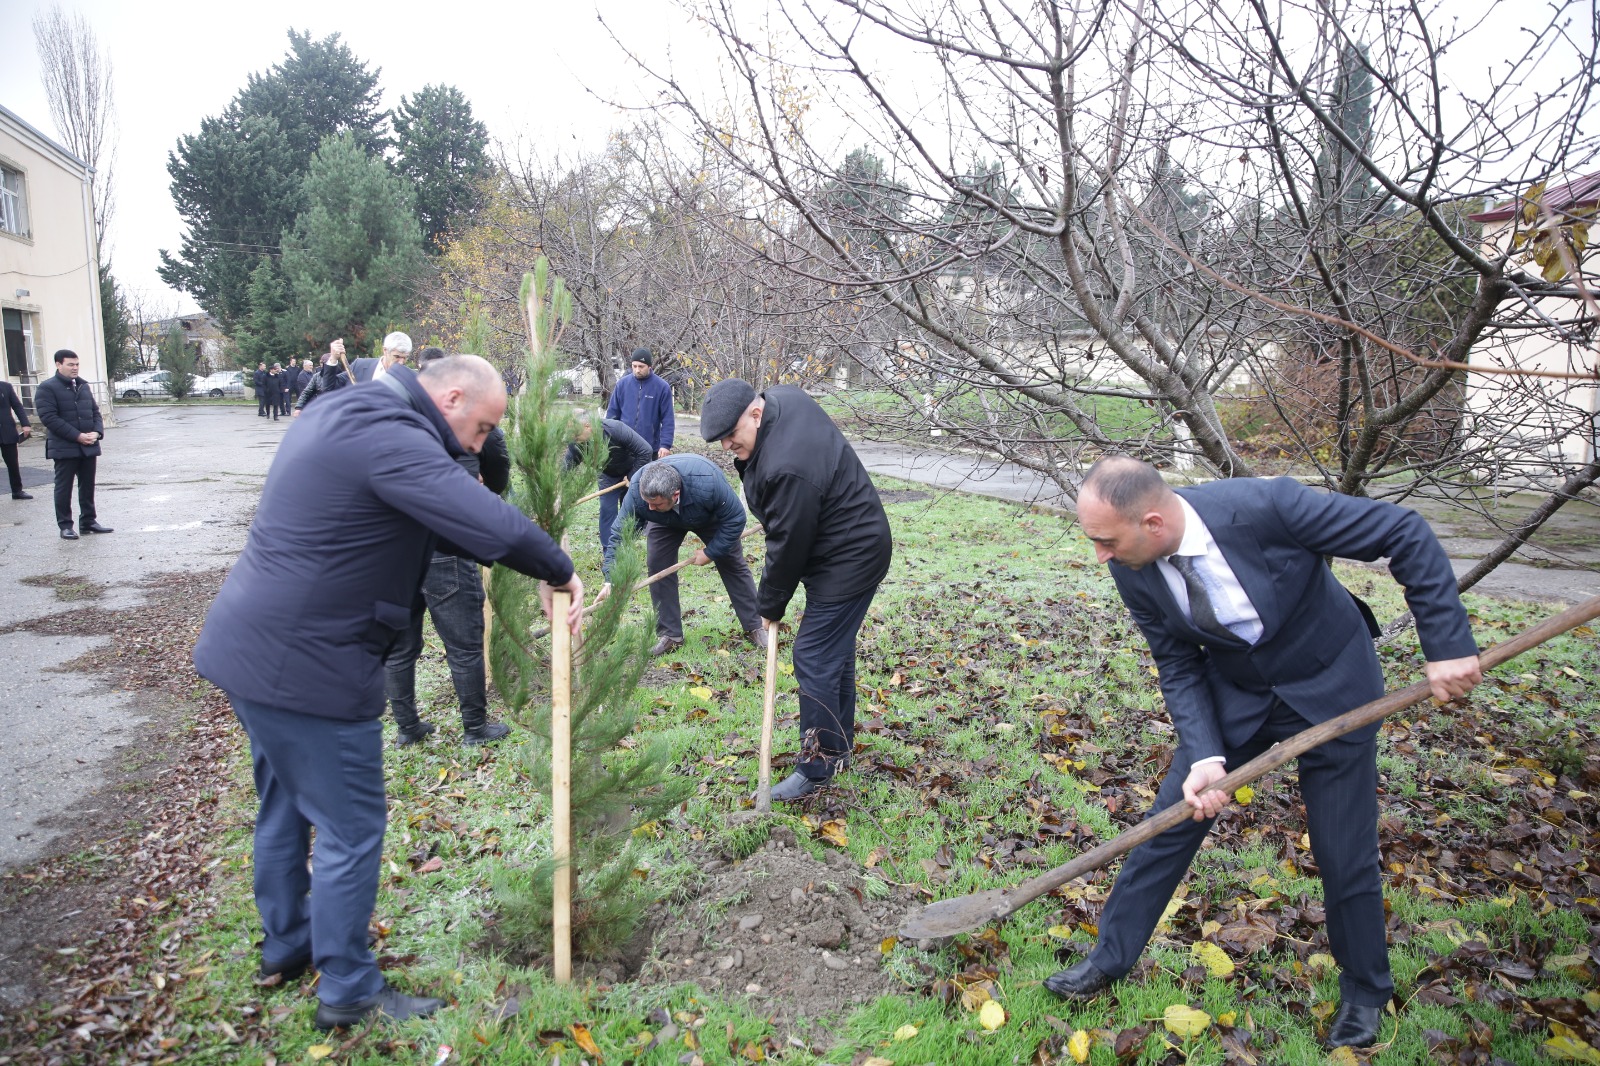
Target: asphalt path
{"points": [[178, 485]]}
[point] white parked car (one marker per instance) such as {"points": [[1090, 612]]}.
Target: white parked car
{"points": [[222, 383], [144, 383]]}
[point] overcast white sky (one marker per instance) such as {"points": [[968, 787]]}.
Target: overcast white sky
{"points": [[524, 67]]}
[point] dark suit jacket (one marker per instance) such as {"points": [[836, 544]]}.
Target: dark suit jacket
{"points": [[9, 402], [361, 487], [1315, 653], [361, 369]]}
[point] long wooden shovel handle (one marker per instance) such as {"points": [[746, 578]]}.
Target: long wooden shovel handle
{"points": [[965, 913], [561, 790], [769, 701], [539, 634], [596, 495]]}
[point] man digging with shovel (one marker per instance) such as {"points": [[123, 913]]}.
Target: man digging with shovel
{"points": [[1255, 640], [825, 528]]}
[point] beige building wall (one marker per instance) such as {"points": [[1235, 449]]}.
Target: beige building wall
{"points": [[49, 261]]}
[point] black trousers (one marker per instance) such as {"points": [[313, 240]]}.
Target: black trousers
{"points": [[1339, 784], [825, 669], [13, 471], [83, 470]]}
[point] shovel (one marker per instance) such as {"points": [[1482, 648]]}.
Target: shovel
{"points": [[966, 913]]}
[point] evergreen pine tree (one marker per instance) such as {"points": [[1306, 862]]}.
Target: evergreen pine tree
{"points": [[271, 331], [613, 789], [356, 246], [178, 361], [445, 152]]}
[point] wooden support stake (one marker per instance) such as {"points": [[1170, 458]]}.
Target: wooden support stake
{"points": [[561, 784], [769, 701]]}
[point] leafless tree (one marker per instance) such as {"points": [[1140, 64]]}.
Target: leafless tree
{"points": [[1230, 235], [78, 87]]}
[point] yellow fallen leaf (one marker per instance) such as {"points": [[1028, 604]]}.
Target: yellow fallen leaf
{"points": [[1593, 1000], [992, 1016], [905, 1032], [973, 997], [1185, 1021], [786, 668], [700, 692], [1321, 960], [1244, 795], [1566, 962], [1344, 1056], [1060, 932], [1213, 958], [1228, 1017], [887, 945], [1078, 1046], [1569, 1046], [833, 832], [318, 1052], [581, 1037], [878, 1060]]}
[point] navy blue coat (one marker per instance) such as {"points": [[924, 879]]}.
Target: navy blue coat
{"points": [[65, 410], [707, 505], [363, 484], [1315, 651], [646, 408]]}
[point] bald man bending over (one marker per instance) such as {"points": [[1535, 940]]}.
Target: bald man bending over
{"points": [[363, 485]]}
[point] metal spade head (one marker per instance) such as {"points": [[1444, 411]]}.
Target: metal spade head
{"points": [[961, 915]]}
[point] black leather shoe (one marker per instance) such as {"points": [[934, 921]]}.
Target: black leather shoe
{"points": [[1354, 1026], [68, 533], [407, 737], [797, 786], [666, 645], [1084, 980], [391, 1003], [94, 527], [22, 495], [487, 733], [280, 974]]}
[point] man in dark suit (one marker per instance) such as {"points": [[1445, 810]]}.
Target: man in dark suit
{"points": [[1256, 641], [263, 391], [362, 487], [66, 408], [12, 431], [396, 350]]}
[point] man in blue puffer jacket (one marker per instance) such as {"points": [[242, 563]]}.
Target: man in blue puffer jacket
{"points": [[643, 402]]}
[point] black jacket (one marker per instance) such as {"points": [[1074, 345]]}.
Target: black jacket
{"points": [[824, 523], [66, 409], [493, 465], [260, 379], [325, 379], [10, 402], [357, 495], [628, 452]]}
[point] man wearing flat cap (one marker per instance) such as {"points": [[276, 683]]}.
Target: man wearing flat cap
{"points": [[643, 402], [825, 528]]}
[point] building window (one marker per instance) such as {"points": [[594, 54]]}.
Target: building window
{"points": [[13, 202], [22, 352]]}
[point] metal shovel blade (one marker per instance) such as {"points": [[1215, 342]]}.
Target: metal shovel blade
{"points": [[961, 915]]}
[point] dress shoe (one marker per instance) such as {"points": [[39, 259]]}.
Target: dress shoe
{"points": [[758, 637], [487, 733], [1084, 980], [1354, 1026], [276, 975], [666, 645], [407, 737], [797, 786], [94, 527], [391, 1003], [68, 533], [22, 495]]}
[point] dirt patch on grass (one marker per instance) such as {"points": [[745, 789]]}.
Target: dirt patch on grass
{"points": [[801, 936]]}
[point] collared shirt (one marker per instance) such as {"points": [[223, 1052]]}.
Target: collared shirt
{"points": [[1228, 599]]}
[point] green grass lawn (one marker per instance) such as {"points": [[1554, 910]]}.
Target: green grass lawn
{"points": [[1009, 718]]}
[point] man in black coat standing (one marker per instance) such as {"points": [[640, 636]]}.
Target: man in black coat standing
{"points": [[263, 391], [66, 408], [825, 528], [361, 488], [10, 433]]}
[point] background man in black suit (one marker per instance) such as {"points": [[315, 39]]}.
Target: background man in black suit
{"points": [[66, 408], [1255, 641], [10, 433]]}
